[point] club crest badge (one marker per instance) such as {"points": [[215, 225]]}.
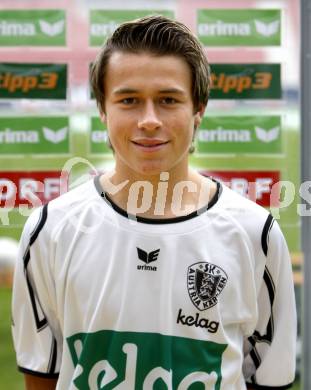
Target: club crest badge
{"points": [[205, 282]]}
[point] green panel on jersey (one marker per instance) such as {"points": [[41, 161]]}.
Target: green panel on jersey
{"points": [[104, 22], [240, 134], [129, 360]]}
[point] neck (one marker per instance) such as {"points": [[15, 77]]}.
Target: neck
{"points": [[164, 195]]}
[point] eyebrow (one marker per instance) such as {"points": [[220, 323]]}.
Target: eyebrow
{"points": [[124, 91], [173, 90]]}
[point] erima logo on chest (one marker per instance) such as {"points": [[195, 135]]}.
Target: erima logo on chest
{"points": [[147, 258]]}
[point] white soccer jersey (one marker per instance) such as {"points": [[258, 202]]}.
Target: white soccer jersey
{"points": [[204, 301]]}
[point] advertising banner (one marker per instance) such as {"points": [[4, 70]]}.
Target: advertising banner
{"points": [[239, 27], [34, 135], [98, 137], [32, 27], [104, 22], [33, 81], [30, 188], [259, 186], [240, 134], [246, 81]]}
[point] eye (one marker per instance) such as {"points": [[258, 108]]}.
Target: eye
{"points": [[168, 100], [129, 100]]}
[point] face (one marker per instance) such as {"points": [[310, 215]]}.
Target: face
{"points": [[149, 113]]}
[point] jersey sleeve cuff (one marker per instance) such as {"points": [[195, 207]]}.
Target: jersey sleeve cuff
{"points": [[260, 387], [46, 375]]}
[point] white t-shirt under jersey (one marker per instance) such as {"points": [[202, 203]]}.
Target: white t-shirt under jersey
{"points": [[204, 301]]}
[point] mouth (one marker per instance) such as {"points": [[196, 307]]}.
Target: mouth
{"points": [[150, 145]]}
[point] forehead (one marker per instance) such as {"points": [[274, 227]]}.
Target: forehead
{"points": [[147, 69]]}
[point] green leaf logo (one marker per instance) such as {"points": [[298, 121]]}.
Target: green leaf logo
{"points": [[55, 136], [267, 135], [267, 29], [52, 29]]}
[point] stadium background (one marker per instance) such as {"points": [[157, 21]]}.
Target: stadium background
{"points": [[77, 47]]}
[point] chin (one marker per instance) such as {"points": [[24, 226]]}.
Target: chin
{"points": [[151, 169]]}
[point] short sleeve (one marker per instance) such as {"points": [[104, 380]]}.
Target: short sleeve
{"points": [[36, 335], [270, 353]]}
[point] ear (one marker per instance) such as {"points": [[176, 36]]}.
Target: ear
{"points": [[199, 115]]}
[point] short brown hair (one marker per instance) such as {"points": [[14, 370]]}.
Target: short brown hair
{"points": [[160, 36]]}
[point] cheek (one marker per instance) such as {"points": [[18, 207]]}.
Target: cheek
{"points": [[119, 135], [185, 130], [113, 131], [117, 121]]}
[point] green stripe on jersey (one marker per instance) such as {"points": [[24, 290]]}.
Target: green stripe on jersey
{"points": [[130, 360]]}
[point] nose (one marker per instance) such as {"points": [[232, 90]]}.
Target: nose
{"points": [[149, 119]]}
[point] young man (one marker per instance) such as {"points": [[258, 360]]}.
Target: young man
{"points": [[152, 276]]}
